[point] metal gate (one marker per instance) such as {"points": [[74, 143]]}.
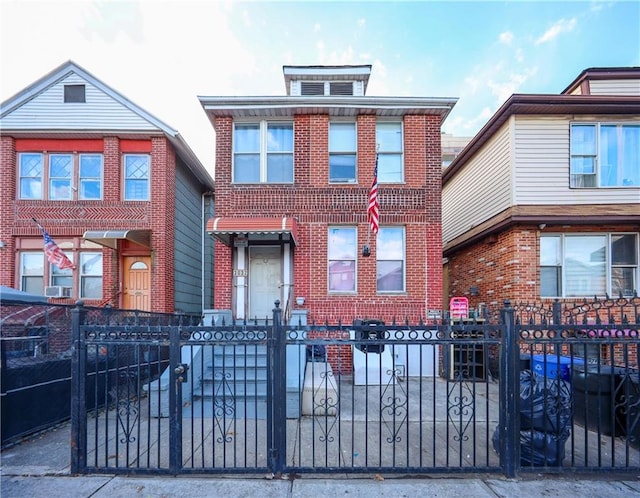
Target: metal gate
{"points": [[365, 397]]}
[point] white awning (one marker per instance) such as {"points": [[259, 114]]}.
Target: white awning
{"points": [[109, 238]]}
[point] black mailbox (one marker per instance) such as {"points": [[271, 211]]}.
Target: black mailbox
{"points": [[369, 330]]}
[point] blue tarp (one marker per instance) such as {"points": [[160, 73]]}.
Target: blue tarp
{"points": [[11, 295]]}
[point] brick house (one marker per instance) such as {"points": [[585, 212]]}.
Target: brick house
{"points": [[544, 202], [293, 176], [119, 191]]}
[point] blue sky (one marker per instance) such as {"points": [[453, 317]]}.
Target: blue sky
{"points": [[163, 54]]}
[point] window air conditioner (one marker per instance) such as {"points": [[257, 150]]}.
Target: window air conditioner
{"points": [[57, 291]]}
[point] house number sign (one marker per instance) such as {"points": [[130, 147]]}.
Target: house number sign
{"points": [[239, 273]]}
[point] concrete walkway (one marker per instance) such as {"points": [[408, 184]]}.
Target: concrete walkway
{"points": [[39, 467]]}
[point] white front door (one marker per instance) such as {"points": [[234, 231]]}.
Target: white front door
{"points": [[265, 281]]}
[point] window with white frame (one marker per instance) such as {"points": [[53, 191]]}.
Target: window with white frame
{"points": [[91, 275], [137, 176], [390, 256], [586, 265], [60, 277], [389, 142], [32, 272], [342, 152], [342, 256], [67, 176], [263, 152], [605, 155]]}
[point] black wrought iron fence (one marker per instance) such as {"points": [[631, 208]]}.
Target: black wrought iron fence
{"points": [[36, 355]]}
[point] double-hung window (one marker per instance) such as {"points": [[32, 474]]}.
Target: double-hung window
{"points": [[605, 155], [342, 152], [263, 152], [66, 177], [32, 272], [137, 175], [91, 275], [389, 145], [586, 265], [390, 255], [342, 252]]}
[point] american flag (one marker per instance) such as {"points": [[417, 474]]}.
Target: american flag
{"points": [[373, 211], [54, 253]]}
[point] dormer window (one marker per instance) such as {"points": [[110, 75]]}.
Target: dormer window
{"points": [[312, 87], [74, 93], [341, 88]]}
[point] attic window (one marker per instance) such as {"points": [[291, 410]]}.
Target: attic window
{"points": [[312, 87], [74, 93], [341, 88]]}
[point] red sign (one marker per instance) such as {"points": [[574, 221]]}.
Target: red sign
{"points": [[459, 307]]}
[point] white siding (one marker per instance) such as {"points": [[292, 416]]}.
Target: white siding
{"points": [[481, 189], [615, 87], [48, 110], [541, 162]]}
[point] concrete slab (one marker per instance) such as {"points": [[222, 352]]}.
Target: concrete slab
{"points": [[126, 487], [372, 488], [562, 487], [52, 487]]}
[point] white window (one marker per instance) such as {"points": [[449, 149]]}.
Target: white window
{"points": [[137, 174], [91, 275], [390, 255], [587, 265], [342, 152], [605, 155], [32, 272], [343, 250], [60, 277], [389, 142], [31, 173], [67, 176], [263, 152]]}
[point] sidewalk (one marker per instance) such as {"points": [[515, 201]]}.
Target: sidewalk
{"points": [[39, 467]]}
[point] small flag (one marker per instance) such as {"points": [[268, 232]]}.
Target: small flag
{"points": [[373, 211], [54, 253]]}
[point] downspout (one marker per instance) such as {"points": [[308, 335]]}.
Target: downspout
{"points": [[203, 227]]}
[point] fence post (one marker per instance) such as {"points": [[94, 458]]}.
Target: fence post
{"points": [[509, 419], [175, 401], [78, 390], [279, 392]]}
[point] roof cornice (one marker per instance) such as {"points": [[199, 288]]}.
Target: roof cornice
{"points": [[239, 107]]}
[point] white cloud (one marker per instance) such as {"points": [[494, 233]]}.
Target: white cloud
{"points": [[561, 26], [506, 37]]}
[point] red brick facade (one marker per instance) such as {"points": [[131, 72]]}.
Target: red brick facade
{"points": [[66, 221], [316, 205]]}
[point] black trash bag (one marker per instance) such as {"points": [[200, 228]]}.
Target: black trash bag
{"points": [[542, 448], [545, 404], [538, 448]]}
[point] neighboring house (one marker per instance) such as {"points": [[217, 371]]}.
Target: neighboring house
{"points": [[293, 177], [451, 147], [544, 202], [119, 191]]}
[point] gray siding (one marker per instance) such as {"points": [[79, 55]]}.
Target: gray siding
{"points": [[48, 110], [188, 242], [481, 189], [541, 163]]}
